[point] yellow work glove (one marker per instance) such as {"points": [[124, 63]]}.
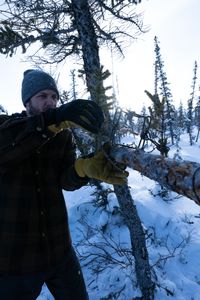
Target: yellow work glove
{"points": [[99, 167], [63, 125]]}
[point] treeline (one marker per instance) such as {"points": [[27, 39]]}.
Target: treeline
{"points": [[162, 123]]}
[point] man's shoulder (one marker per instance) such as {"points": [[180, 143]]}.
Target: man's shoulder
{"points": [[4, 117], [19, 115]]}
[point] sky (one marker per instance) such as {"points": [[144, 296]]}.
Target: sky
{"points": [[176, 23]]}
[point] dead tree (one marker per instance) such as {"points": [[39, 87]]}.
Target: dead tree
{"points": [[182, 177]]}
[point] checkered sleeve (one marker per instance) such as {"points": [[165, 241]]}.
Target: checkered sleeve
{"points": [[70, 180]]}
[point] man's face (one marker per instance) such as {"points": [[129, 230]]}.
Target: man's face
{"points": [[41, 102]]}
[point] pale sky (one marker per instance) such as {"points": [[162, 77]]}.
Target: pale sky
{"points": [[176, 23]]}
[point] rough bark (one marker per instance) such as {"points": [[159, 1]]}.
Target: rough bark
{"points": [[89, 45], [90, 54], [182, 177], [137, 236], [92, 68]]}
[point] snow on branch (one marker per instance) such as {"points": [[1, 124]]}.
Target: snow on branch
{"points": [[182, 177]]}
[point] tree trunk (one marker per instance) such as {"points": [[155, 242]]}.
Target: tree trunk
{"points": [[182, 177], [137, 236], [91, 59], [89, 44], [92, 67]]}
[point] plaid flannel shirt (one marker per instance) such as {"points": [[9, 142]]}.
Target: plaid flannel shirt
{"points": [[35, 165]]}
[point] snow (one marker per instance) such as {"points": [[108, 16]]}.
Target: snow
{"points": [[172, 226]]}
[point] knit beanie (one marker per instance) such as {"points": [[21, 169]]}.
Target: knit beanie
{"points": [[35, 81]]}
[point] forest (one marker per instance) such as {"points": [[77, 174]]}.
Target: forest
{"points": [[148, 143]]}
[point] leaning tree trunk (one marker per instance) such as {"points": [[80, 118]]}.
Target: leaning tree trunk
{"points": [[90, 52], [139, 251], [92, 67], [182, 177], [90, 49]]}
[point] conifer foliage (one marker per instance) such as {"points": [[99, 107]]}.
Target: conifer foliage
{"points": [[190, 112], [54, 24], [162, 88]]}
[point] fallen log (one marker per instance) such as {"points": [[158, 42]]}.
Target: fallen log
{"points": [[180, 176]]}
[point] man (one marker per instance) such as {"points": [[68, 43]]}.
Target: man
{"points": [[37, 161]]}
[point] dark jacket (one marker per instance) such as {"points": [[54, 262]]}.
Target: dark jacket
{"points": [[35, 165]]}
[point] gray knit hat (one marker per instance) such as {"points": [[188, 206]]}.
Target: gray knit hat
{"points": [[35, 81]]}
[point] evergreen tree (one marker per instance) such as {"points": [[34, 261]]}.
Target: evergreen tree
{"points": [[162, 85], [3, 110], [181, 117], [140, 121], [190, 112], [197, 117], [74, 85], [54, 25], [157, 130]]}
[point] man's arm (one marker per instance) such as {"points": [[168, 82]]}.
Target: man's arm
{"points": [[70, 180]]}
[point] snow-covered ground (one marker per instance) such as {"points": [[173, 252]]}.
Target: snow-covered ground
{"points": [[173, 230]]}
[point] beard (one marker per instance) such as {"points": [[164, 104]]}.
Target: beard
{"points": [[35, 111], [32, 111]]}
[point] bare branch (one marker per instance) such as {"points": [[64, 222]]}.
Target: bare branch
{"points": [[182, 177]]}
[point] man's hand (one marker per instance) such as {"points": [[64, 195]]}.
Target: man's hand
{"points": [[99, 167], [78, 113]]}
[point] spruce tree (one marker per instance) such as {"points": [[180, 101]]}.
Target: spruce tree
{"points": [[197, 117], [181, 117], [162, 88], [190, 112]]}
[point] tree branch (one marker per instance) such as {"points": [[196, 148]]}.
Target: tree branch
{"points": [[182, 177]]}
